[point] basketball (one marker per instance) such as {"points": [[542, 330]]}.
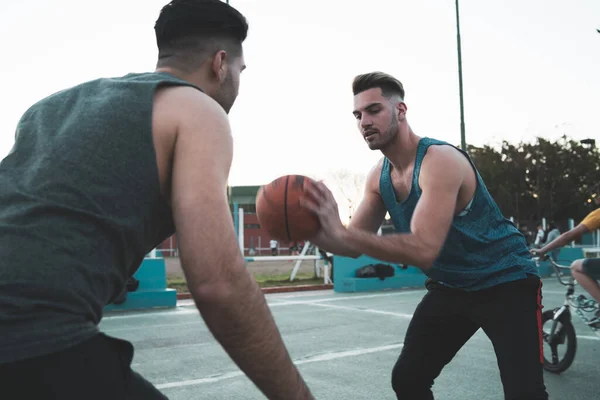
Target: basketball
{"points": [[279, 210]]}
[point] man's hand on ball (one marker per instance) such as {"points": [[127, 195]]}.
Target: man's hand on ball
{"points": [[319, 199]]}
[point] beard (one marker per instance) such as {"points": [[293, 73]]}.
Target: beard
{"points": [[386, 138], [227, 94]]}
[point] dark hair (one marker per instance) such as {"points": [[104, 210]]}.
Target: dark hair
{"points": [[188, 30], [388, 84]]}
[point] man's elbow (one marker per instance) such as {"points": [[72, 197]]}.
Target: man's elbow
{"points": [[426, 265], [220, 288], [212, 293], [427, 258]]}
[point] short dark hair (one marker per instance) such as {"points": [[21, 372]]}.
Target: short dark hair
{"points": [[188, 30], [388, 84]]}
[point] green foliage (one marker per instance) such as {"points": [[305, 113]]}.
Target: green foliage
{"points": [[529, 181]]}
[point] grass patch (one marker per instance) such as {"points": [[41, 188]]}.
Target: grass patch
{"points": [[263, 280], [178, 284], [269, 280]]}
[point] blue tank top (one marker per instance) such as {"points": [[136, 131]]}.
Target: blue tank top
{"points": [[482, 248]]}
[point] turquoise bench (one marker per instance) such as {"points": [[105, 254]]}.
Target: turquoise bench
{"points": [[345, 280], [152, 291]]}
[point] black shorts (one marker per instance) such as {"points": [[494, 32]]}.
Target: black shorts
{"points": [[591, 267], [97, 369]]}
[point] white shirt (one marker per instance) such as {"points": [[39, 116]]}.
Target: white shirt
{"points": [[539, 237]]}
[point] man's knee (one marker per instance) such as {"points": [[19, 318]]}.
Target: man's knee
{"points": [[409, 384], [398, 376], [577, 266]]}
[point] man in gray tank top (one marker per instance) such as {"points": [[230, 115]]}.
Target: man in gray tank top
{"points": [[99, 175]]}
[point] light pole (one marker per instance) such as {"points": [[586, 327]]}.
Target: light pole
{"points": [[463, 143]]}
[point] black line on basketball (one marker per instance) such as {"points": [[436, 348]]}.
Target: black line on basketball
{"points": [[298, 182], [265, 195], [285, 210]]}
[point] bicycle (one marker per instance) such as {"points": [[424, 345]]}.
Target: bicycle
{"points": [[561, 326]]}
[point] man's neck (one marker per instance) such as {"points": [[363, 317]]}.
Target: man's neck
{"points": [[403, 152], [194, 78]]}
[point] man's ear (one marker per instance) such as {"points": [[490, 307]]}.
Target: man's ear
{"points": [[219, 65], [401, 110]]}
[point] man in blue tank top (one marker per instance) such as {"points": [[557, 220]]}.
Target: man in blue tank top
{"points": [[99, 175], [480, 272]]}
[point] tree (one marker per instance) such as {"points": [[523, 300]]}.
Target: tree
{"points": [[349, 186], [548, 179]]}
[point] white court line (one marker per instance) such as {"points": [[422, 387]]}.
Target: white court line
{"points": [[329, 299], [307, 360], [215, 378], [588, 337], [276, 303], [152, 314], [368, 310], [563, 292], [289, 295], [326, 356], [402, 315], [318, 358], [155, 326]]}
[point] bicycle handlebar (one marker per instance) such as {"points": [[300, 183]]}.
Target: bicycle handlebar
{"points": [[554, 263], [557, 267]]}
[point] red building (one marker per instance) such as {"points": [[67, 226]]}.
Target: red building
{"points": [[255, 237]]}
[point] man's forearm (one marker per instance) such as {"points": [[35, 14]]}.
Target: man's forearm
{"points": [[338, 248], [560, 241], [242, 322], [401, 248]]}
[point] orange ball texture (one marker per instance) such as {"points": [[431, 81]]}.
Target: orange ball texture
{"points": [[279, 210]]}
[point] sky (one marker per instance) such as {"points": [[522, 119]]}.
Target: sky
{"points": [[530, 68]]}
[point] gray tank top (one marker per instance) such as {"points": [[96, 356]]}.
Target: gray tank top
{"points": [[80, 207]]}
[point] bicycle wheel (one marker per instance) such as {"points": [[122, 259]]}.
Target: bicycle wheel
{"points": [[564, 338]]}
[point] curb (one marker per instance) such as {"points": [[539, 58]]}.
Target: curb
{"points": [[276, 289], [299, 288]]}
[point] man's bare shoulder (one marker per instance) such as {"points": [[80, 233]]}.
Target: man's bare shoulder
{"points": [[445, 164], [187, 101], [373, 176], [446, 156], [186, 116], [444, 152]]}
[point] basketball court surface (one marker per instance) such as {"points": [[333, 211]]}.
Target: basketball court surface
{"points": [[345, 345]]}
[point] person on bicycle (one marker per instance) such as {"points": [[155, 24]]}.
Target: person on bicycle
{"points": [[585, 271]]}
